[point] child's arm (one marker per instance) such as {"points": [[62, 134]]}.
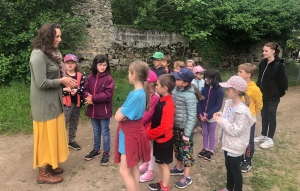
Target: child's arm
{"points": [[86, 87], [82, 81], [119, 116], [191, 110], [219, 102], [257, 98], [148, 114], [107, 93], [235, 128], [167, 120]]}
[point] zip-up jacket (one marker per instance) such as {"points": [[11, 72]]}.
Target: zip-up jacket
{"points": [[213, 101], [185, 102], [101, 87], [272, 85], [162, 120]]}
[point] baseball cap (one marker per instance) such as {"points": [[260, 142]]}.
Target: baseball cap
{"points": [[184, 74], [198, 69], [70, 57], [152, 76], [235, 82], [158, 55]]}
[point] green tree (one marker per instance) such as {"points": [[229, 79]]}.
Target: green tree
{"points": [[217, 27], [19, 22]]}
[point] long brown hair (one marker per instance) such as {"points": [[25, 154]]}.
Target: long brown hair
{"points": [[141, 70], [44, 39], [197, 92], [273, 46]]}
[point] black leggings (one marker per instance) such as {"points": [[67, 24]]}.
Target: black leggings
{"points": [[234, 174], [268, 118]]}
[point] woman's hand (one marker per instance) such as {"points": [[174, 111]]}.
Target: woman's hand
{"points": [[68, 82]]}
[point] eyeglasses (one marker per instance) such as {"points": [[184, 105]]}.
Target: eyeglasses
{"points": [[199, 73]]}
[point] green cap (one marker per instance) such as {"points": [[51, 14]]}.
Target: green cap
{"points": [[158, 55]]}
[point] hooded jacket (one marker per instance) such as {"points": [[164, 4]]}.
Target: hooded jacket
{"points": [[234, 133], [271, 85], [101, 87]]}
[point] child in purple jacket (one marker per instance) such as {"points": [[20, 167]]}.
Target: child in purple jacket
{"points": [[98, 92]]}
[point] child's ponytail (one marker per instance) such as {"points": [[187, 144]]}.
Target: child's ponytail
{"points": [[197, 92], [246, 97], [141, 69]]}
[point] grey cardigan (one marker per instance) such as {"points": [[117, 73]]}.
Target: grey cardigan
{"points": [[45, 90]]}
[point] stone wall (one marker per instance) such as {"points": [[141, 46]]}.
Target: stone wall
{"points": [[123, 45]]}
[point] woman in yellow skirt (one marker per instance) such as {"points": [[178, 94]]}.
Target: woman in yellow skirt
{"points": [[47, 77]]}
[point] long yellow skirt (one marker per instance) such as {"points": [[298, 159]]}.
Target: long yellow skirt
{"points": [[50, 142]]}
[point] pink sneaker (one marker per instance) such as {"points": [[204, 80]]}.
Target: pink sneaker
{"points": [[143, 167], [147, 176]]}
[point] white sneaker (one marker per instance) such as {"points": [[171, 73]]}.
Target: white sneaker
{"points": [[267, 144], [260, 139]]}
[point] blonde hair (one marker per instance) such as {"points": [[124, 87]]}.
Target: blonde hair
{"points": [[248, 67], [246, 97], [141, 70], [179, 64], [192, 61]]}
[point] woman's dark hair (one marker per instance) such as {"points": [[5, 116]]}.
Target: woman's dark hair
{"points": [[100, 58], [273, 46], [214, 76], [44, 39]]}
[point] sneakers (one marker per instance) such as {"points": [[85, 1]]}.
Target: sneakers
{"points": [[74, 145], [245, 167], [105, 159], [147, 176], [155, 186], [92, 155], [202, 153], [176, 172], [143, 167], [208, 155], [260, 139], [224, 189], [267, 144], [184, 182]]}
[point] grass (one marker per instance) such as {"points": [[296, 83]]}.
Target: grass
{"points": [[15, 99]]}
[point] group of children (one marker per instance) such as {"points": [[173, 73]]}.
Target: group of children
{"points": [[165, 108]]}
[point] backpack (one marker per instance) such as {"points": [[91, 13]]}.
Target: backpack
{"points": [[276, 66]]}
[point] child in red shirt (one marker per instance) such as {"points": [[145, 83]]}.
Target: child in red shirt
{"points": [[161, 131]]}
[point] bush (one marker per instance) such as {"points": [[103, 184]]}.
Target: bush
{"points": [[20, 22]]}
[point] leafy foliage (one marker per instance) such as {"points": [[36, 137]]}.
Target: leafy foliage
{"points": [[214, 26], [19, 22]]}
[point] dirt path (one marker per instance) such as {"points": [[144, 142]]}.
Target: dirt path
{"points": [[17, 172]]}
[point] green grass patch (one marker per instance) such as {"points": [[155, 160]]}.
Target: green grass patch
{"points": [[14, 117], [15, 112]]}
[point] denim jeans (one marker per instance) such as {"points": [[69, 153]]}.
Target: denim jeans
{"points": [[234, 174], [101, 127], [268, 118]]}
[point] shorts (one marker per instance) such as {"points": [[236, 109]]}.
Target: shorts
{"points": [[183, 150], [163, 152]]}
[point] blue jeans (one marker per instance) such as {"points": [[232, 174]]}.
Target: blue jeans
{"points": [[101, 127], [250, 149]]}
